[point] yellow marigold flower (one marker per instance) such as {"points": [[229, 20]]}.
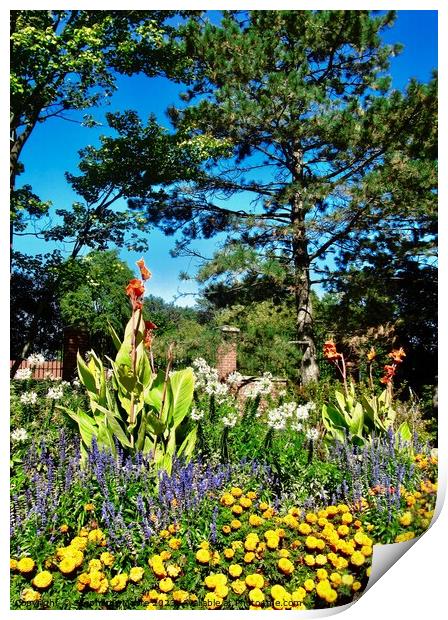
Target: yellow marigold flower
{"points": [[336, 579], [356, 586], [227, 499], [285, 566], [107, 558], [96, 579], [80, 586], [365, 550], [332, 511], [322, 521], [342, 508], [136, 574], [164, 534], [311, 542], [237, 544], [204, 544], [77, 556], [96, 536], [173, 570], [203, 556], [226, 529], [251, 495], [95, 565], [42, 579], [321, 573], [212, 601], [237, 509], [406, 519], [255, 581], [174, 527], [67, 565], [263, 506], [245, 502], [84, 579], [268, 513], [64, 528], [29, 595], [331, 596], [25, 565], [298, 596], [357, 558], [162, 599], [180, 596], [215, 558], [280, 532], [174, 543], [104, 586], [304, 528], [309, 585], [311, 517], [278, 592], [283, 553], [357, 523], [255, 520], [83, 532], [341, 563], [151, 607], [309, 560], [215, 579], [272, 542], [295, 544], [347, 580], [235, 570], [150, 596], [89, 507], [250, 544], [236, 491], [323, 588], [343, 530], [321, 559], [238, 586], [165, 555], [347, 518], [221, 591], [235, 524], [166, 584], [256, 595], [322, 514], [249, 556], [13, 564], [229, 553]]}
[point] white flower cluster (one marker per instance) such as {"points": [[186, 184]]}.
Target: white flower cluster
{"points": [[206, 379], [260, 387], [196, 414], [23, 374], [234, 378], [55, 393], [28, 398], [19, 435], [289, 414], [230, 419], [35, 359], [312, 434]]}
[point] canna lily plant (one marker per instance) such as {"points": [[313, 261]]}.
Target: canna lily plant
{"points": [[360, 419], [144, 410]]}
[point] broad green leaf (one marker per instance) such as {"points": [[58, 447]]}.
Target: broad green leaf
{"points": [[188, 444], [343, 404], [114, 425], [404, 431], [357, 422], [87, 426], [87, 379], [182, 386], [115, 338]]}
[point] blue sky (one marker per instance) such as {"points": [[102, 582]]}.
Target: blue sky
{"points": [[53, 147]]}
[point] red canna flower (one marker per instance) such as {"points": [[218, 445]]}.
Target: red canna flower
{"points": [[148, 335], [389, 372], [145, 273]]}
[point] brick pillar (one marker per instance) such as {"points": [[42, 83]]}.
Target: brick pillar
{"points": [[227, 351], [74, 339]]}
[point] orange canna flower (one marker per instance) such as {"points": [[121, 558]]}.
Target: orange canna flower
{"points": [[148, 335], [397, 355], [330, 352], [145, 273], [135, 288]]}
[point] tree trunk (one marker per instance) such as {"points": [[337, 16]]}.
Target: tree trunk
{"points": [[309, 370]]}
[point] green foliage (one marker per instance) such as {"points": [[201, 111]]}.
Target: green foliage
{"points": [[358, 420], [142, 411]]}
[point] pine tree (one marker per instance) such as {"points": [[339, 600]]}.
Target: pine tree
{"points": [[316, 135]]}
